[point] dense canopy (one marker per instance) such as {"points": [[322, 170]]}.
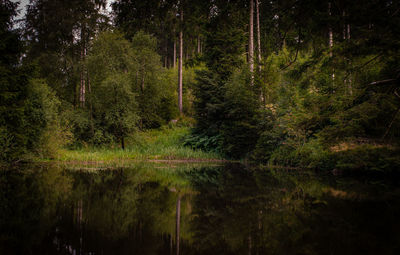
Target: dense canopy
{"points": [[291, 82]]}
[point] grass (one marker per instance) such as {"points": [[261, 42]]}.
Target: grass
{"points": [[161, 144]]}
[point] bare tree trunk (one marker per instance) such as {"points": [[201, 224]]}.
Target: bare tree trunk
{"points": [[348, 31], [180, 63], [174, 65], [258, 35], [198, 44], [90, 104], [178, 222], [82, 87], [350, 64], [330, 31], [166, 54], [82, 90], [344, 25], [251, 42], [346, 37]]}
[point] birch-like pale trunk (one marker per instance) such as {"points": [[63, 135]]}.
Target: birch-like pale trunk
{"points": [[344, 25], [180, 63], [348, 31], [251, 41], [346, 37], [258, 35], [330, 31], [82, 89]]}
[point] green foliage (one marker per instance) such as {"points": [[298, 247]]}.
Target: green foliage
{"points": [[43, 107], [58, 33], [113, 102], [130, 88], [155, 144], [156, 97], [305, 97], [241, 127], [371, 158], [34, 127], [29, 121], [117, 105]]}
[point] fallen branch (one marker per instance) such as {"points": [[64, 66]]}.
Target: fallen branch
{"points": [[382, 82]]}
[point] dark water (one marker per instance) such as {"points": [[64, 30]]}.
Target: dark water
{"points": [[221, 210]]}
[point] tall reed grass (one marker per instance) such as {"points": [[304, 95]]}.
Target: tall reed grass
{"points": [[161, 144]]}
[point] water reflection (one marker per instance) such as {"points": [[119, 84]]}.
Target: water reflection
{"points": [[153, 209]]}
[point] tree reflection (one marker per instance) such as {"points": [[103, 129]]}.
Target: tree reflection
{"points": [[230, 209], [247, 211]]}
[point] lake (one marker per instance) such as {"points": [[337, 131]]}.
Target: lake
{"points": [[154, 208]]}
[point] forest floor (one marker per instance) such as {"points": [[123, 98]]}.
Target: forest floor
{"points": [[164, 144]]}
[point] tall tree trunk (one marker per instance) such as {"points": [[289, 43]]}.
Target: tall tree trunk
{"points": [[166, 54], [82, 90], [330, 32], [142, 83], [344, 25], [174, 65], [180, 63], [90, 104], [348, 31], [258, 35], [251, 42], [346, 37], [178, 223], [122, 142], [198, 44]]}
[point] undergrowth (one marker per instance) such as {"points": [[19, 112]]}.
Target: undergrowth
{"points": [[160, 144]]}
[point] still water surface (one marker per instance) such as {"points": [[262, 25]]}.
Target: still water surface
{"points": [[192, 209]]}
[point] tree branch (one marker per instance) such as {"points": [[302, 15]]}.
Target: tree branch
{"points": [[297, 52], [382, 82]]}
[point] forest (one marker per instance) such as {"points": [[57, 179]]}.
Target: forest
{"points": [[293, 83], [200, 127]]}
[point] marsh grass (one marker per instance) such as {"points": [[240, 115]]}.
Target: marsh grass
{"points": [[161, 144]]}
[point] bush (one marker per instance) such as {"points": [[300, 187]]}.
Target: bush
{"points": [[368, 158], [6, 144], [47, 134]]}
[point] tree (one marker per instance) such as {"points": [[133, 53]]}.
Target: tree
{"points": [[111, 63], [117, 105], [258, 35], [153, 90], [58, 35], [251, 41], [180, 66], [28, 107], [223, 55]]}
